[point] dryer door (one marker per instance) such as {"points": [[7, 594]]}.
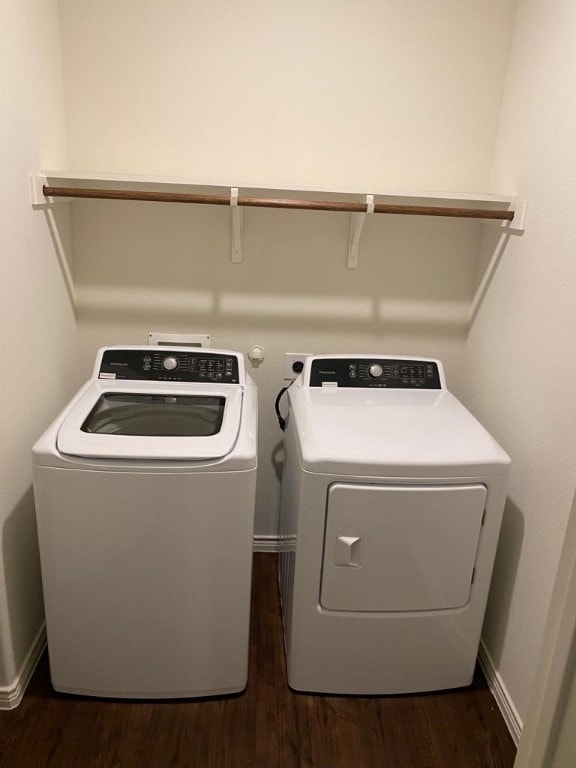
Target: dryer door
{"points": [[400, 547]]}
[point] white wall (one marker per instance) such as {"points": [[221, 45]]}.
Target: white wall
{"points": [[548, 730], [365, 94], [38, 329], [566, 747], [379, 93], [520, 351]]}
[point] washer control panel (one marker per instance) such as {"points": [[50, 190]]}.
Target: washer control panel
{"points": [[169, 365], [384, 373]]}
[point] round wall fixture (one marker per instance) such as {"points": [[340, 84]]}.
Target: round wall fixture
{"points": [[256, 353]]}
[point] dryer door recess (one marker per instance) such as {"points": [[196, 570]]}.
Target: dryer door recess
{"points": [[400, 548]]}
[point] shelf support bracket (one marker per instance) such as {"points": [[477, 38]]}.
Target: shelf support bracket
{"points": [[36, 193], [518, 224], [356, 225], [236, 226], [36, 186]]}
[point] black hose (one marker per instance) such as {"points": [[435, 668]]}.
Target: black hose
{"points": [[281, 419]]}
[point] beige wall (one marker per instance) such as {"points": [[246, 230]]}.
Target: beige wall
{"points": [[566, 746], [39, 362], [520, 350], [379, 93], [549, 736]]}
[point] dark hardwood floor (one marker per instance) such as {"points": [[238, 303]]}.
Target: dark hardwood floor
{"points": [[265, 727]]}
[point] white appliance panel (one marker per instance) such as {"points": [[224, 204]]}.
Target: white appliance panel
{"points": [[146, 580], [400, 548], [392, 501], [145, 513], [412, 432]]}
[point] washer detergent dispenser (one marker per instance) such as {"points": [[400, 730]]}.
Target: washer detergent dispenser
{"points": [[392, 501], [144, 490]]}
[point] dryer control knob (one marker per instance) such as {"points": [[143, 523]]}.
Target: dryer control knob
{"points": [[375, 370], [170, 363]]}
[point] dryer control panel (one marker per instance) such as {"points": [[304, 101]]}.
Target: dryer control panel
{"points": [[165, 364], [375, 372]]}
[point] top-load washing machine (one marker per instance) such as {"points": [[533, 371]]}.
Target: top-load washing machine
{"points": [[392, 500], [144, 489]]}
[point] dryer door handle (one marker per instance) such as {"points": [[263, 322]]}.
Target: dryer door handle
{"points": [[348, 551]]}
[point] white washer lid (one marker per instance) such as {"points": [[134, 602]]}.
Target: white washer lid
{"points": [[397, 433], [74, 441]]}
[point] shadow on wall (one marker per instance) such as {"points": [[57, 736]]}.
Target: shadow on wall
{"points": [[492, 247], [134, 259], [504, 578], [277, 457], [22, 580], [58, 222]]}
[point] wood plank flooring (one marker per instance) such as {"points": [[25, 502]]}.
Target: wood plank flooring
{"points": [[268, 726]]}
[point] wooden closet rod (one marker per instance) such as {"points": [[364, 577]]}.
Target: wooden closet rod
{"points": [[257, 202]]}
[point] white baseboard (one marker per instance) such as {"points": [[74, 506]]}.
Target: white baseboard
{"points": [[266, 544], [498, 689], [11, 696]]}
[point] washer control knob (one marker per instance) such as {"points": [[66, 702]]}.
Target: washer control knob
{"points": [[170, 363], [375, 370]]}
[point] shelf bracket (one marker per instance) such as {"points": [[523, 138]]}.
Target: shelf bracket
{"points": [[236, 226], [37, 198], [518, 224], [36, 184], [356, 225]]}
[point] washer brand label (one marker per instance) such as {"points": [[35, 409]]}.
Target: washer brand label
{"points": [[107, 375]]}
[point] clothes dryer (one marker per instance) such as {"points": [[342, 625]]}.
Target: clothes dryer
{"points": [[144, 489], [392, 500]]}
